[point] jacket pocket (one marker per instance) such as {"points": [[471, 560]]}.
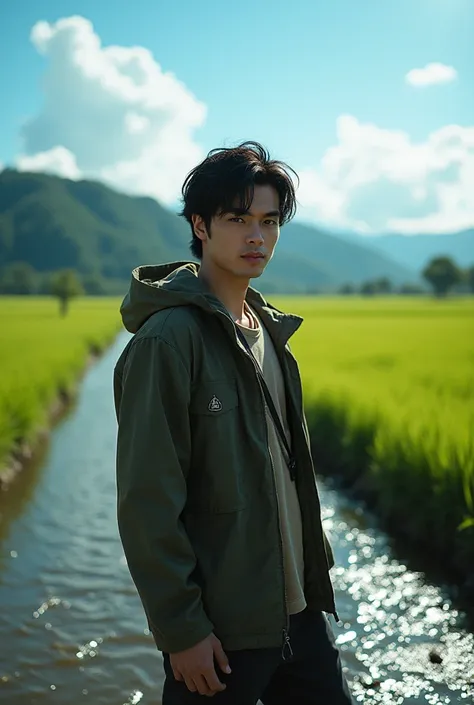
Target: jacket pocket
{"points": [[217, 477], [214, 398]]}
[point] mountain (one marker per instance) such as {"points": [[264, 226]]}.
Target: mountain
{"points": [[344, 260], [52, 223], [416, 250]]}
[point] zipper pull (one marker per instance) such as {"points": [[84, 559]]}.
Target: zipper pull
{"points": [[292, 467], [286, 645]]}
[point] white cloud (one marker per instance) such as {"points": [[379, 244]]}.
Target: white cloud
{"points": [[113, 114], [376, 180], [110, 113], [432, 74], [58, 160]]}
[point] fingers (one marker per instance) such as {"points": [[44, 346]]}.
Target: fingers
{"points": [[213, 683], [177, 675], [195, 666], [190, 684], [221, 657], [205, 683]]}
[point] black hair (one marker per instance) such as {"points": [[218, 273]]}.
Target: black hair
{"points": [[229, 175]]}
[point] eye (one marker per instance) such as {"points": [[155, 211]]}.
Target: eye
{"points": [[235, 219], [270, 222]]}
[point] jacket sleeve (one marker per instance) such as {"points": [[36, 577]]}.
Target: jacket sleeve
{"points": [[153, 457]]}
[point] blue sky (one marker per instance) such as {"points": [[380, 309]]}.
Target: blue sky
{"points": [[324, 85]]}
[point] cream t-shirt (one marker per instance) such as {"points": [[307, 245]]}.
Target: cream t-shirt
{"points": [[263, 350]]}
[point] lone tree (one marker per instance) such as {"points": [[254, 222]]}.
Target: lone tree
{"points": [[442, 274], [65, 285]]}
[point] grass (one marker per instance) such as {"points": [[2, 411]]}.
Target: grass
{"points": [[389, 392], [42, 355]]}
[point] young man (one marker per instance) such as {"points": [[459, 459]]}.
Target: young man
{"points": [[218, 508]]}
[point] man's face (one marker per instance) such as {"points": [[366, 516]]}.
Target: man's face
{"points": [[242, 243]]}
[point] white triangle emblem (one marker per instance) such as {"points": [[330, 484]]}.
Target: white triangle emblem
{"points": [[215, 404]]}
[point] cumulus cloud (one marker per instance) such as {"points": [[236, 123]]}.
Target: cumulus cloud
{"points": [[376, 180], [58, 160], [432, 74], [110, 113]]}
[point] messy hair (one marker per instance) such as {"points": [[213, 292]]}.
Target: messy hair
{"points": [[227, 178]]}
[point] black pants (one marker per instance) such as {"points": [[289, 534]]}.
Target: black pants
{"points": [[312, 676]]}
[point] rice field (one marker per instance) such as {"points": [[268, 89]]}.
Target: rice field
{"points": [[389, 393], [388, 385], [42, 354]]}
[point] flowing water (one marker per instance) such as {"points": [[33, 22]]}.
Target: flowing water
{"points": [[72, 628]]}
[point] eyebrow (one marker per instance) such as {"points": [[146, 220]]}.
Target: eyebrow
{"points": [[244, 211]]}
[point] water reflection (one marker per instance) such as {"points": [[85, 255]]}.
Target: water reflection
{"points": [[402, 637], [15, 501]]}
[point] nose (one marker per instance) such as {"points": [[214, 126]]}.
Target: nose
{"points": [[255, 235]]}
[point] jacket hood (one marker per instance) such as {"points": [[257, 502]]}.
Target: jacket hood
{"points": [[157, 287]]}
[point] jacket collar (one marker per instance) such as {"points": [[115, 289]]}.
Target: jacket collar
{"points": [[279, 324], [156, 287]]}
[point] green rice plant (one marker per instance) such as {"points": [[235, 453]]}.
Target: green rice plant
{"points": [[42, 356], [389, 393]]}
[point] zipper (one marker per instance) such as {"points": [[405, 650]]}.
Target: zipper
{"points": [[286, 645], [315, 528]]}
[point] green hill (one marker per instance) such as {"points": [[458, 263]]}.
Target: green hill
{"points": [[53, 223], [346, 261]]}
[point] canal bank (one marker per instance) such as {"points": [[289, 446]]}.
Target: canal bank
{"points": [[44, 358], [26, 451], [423, 525]]}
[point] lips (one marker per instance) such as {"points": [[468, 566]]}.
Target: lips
{"points": [[253, 255]]}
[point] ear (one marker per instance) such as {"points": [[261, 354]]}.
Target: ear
{"points": [[199, 227]]}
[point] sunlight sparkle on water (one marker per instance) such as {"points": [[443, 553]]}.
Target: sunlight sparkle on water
{"points": [[344, 638], [402, 630], [134, 698]]}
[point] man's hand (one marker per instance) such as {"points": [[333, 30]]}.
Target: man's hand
{"points": [[195, 666]]}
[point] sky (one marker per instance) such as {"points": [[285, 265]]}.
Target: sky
{"points": [[370, 101]]}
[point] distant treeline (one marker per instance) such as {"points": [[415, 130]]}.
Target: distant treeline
{"points": [[21, 279], [442, 275]]}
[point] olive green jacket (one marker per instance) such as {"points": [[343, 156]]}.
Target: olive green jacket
{"points": [[196, 499]]}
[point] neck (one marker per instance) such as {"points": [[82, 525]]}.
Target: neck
{"points": [[230, 290]]}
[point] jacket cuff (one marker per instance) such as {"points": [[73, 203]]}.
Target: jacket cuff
{"points": [[180, 641]]}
